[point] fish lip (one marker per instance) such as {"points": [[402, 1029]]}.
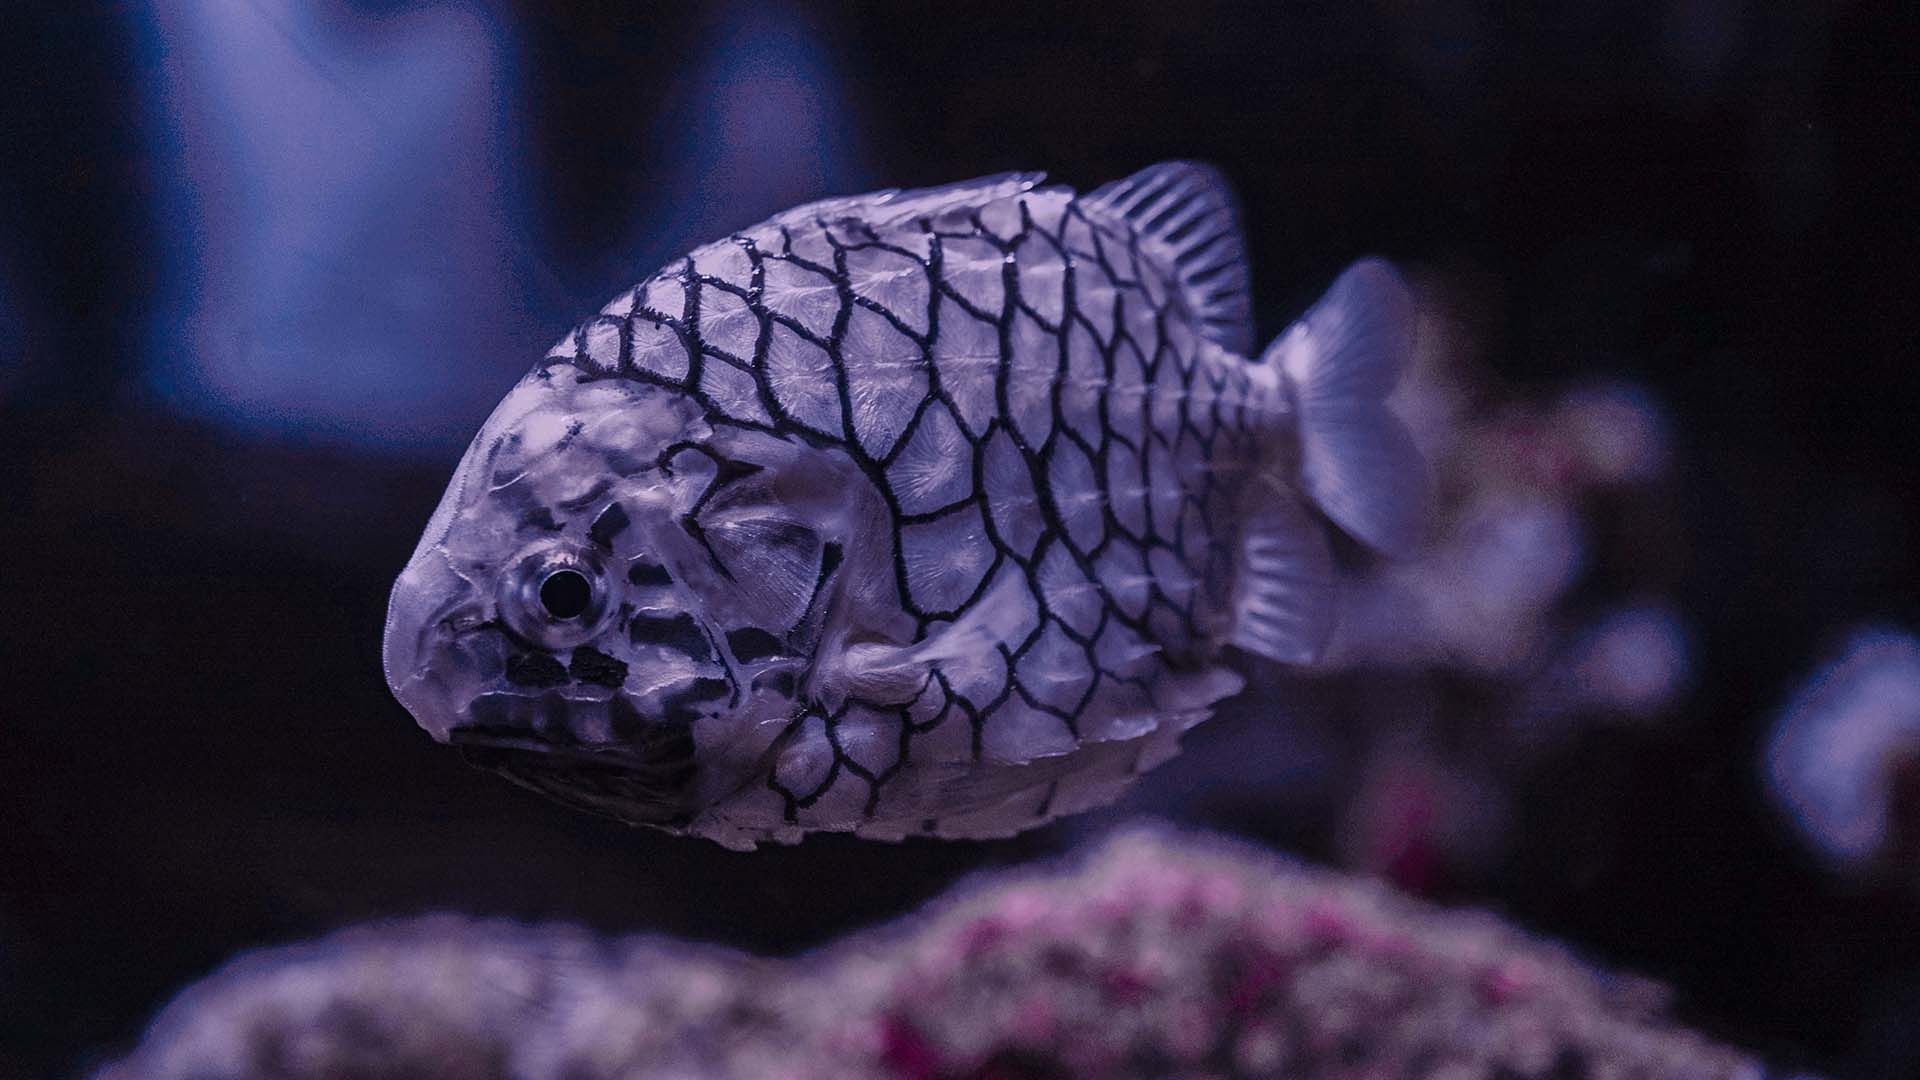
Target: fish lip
{"points": [[613, 782], [429, 607], [492, 737]]}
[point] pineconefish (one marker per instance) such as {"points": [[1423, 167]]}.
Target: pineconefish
{"points": [[920, 512]]}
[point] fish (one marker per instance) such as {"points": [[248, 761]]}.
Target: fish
{"points": [[938, 512]]}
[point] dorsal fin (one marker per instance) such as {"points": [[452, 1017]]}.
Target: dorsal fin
{"points": [[1186, 214], [894, 205]]}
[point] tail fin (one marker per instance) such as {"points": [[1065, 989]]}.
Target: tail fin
{"points": [[1357, 462]]}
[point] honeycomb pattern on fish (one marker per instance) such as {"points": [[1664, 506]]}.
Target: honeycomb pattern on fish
{"points": [[1035, 408]]}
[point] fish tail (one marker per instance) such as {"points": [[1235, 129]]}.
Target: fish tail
{"points": [[1345, 453], [1339, 362]]}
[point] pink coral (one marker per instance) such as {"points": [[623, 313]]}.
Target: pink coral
{"points": [[1160, 955]]}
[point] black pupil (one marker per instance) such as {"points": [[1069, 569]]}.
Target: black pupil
{"points": [[565, 594]]}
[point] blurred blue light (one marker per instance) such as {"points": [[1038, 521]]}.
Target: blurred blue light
{"points": [[338, 216], [1634, 661], [775, 127], [1836, 743]]}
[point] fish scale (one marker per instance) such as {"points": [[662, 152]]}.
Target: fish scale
{"points": [[1167, 418], [1161, 398], [1033, 393]]}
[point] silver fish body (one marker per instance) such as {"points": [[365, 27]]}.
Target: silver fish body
{"points": [[922, 512]]}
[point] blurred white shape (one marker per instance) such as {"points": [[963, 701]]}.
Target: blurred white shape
{"points": [[773, 127], [1434, 395], [338, 217], [1477, 601], [1514, 556], [1634, 662], [1619, 435], [1834, 747], [1631, 664]]}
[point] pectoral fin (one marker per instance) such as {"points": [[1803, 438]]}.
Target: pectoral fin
{"points": [[882, 672]]}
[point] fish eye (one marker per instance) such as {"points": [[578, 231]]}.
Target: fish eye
{"points": [[556, 595], [565, 594]]}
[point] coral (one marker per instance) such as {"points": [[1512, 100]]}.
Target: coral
{"points": [[1161, 954], [440, 996]]}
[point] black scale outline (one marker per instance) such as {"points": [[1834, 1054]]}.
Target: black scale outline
{"points": [[1225, 384]]}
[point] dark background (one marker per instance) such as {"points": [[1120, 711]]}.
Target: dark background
{"points": [[198, 753]]}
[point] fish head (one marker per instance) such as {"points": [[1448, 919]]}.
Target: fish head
{"points": [[613, 603]]}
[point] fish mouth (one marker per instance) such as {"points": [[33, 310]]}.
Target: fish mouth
{"points": [[561, 719], [487, 742], [429, 650], [646, 778]]}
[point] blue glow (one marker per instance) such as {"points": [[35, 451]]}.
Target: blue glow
{"points": [[773, 129], [338, 217], [1634, 661], [1835, 743]]}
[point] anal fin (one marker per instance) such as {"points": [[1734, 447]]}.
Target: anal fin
{"points": [[1283, 595]]}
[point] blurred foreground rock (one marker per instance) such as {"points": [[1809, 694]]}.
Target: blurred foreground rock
{"points": [[1161, 954]]}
